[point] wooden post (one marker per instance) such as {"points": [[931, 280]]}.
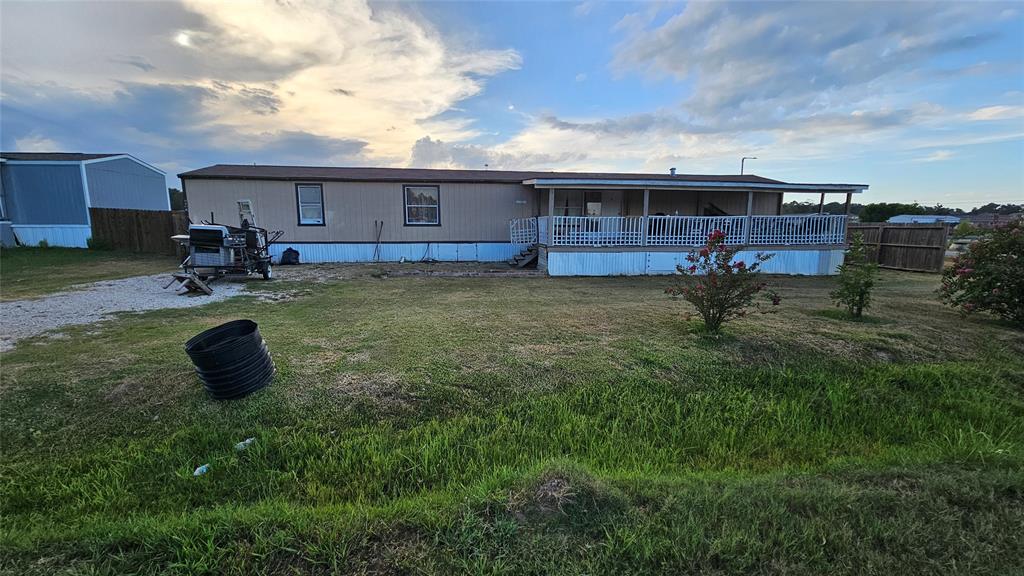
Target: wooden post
{"points": [[749, 220], [647, 203], [551, 216], [846, 220], [821, 204]]}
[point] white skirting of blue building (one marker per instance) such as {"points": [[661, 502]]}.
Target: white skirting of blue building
{"points": [[817, 262], [64, 235], [319, 253]]}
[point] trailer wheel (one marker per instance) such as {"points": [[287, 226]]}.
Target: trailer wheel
{"points": [[268, 272]]}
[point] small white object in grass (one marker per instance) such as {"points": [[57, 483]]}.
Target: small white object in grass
{"points": [[244, 444], [201, 470]]}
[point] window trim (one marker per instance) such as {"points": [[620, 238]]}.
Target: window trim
{"points": [[298, 205], [405, 205]]}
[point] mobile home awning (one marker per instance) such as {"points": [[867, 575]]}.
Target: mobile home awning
{"points": [[683, 184]]}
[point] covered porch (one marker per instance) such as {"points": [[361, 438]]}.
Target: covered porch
{"points": [[621, 213], [610, 227]]}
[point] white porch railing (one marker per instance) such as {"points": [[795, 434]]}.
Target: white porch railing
{"points": [[694, 230], [597, 231], [791, 230], [678, 230], [523, 230]]}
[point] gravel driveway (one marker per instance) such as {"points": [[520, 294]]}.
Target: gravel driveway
{"points": [[97, 301]]}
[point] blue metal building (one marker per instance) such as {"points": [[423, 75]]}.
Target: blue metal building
{"points": [[47, 196]]}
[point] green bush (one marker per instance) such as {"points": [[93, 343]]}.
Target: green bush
{"points": [[989, 276], [965, 228], [43, 243], [719, 288], [857, 277]]}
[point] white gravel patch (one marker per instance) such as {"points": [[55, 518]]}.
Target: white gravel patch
{"points": [[94, 302]]}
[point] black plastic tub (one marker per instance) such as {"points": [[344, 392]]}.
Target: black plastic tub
{"points": [[232, 359]]}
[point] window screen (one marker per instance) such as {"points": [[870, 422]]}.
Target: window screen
{"points": [[311, 204], [422, 206]]}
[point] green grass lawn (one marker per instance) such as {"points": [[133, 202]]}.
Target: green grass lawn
{"points": [[527, 426], [31, 272]]}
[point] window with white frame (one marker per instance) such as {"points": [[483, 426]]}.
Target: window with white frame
{"points": [[422, 205], [310, 198]]}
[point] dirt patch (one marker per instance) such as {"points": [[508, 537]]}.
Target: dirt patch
{"points": [[149, 390], [281, 295], [382, 389], [358, 357], [554, 495]]}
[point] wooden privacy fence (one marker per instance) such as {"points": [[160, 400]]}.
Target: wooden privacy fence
{"points": [[138, 230], [916, 247]]}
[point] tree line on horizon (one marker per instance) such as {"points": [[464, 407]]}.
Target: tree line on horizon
{"points": [[882, 211]]}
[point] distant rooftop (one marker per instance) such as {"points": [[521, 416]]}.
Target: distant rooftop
{"points": [[54, 156]]}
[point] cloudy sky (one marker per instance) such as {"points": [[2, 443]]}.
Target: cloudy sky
{"points": [[924, 102]]}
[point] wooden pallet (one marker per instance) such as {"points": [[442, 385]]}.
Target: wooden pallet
{"points": [[189, 282]]}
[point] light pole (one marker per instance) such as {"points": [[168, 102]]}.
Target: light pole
{"points": [[744, 159]]}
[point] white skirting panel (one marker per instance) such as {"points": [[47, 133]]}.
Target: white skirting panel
{"points": [[820, 262], [64, 235], [393, 252]]}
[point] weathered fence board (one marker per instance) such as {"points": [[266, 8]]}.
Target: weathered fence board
{"points": [[916, 247], [138, 230]]}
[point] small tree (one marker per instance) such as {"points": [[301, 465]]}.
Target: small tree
{"points": [[717, 287], [989, 276], [857, 277], [965, 228]]}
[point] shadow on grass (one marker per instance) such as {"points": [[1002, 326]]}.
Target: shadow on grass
{"points": [[839, 314]]}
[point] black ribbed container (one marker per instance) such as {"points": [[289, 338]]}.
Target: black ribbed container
{"points": [[231, 359]]}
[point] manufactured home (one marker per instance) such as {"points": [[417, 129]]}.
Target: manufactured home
{"points": [[573, 223], [46, 196]]}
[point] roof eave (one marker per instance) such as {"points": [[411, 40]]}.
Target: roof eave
{"points": [[694, 185]]}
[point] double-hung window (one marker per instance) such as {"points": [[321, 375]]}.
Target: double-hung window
{"points": [[310, 198], [422, 205]]}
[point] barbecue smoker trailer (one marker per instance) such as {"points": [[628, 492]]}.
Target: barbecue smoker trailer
{"points": [[216, 250]]}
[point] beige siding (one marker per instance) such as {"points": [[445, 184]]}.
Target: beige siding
{"points": [[686, 203], [469, 212]]}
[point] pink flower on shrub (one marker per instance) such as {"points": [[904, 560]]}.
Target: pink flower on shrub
{"points": [[739, 265], [693, 268], [704, 252]]}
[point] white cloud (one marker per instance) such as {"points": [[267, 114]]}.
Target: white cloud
{"points": [[584, 8], [337, 70], [36, 143], [769, 59], [581, 77], [997, 113], [937, 156]]}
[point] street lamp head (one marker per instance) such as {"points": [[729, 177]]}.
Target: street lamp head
{"points": [[744, 159]]}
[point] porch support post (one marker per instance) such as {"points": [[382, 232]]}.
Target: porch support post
{"points": [[821, 204], [749, 220], [846, 219], [551, 216], [647, 203]]}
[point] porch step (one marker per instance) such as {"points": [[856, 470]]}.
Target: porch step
{"points": [[524, 258]]}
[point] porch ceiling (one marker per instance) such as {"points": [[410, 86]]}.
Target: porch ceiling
{"points": [[591, 183]]}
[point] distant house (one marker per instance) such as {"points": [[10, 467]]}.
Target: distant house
{"points": [[925, 219], [992, 220], [47, 196], [572, 223]]}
